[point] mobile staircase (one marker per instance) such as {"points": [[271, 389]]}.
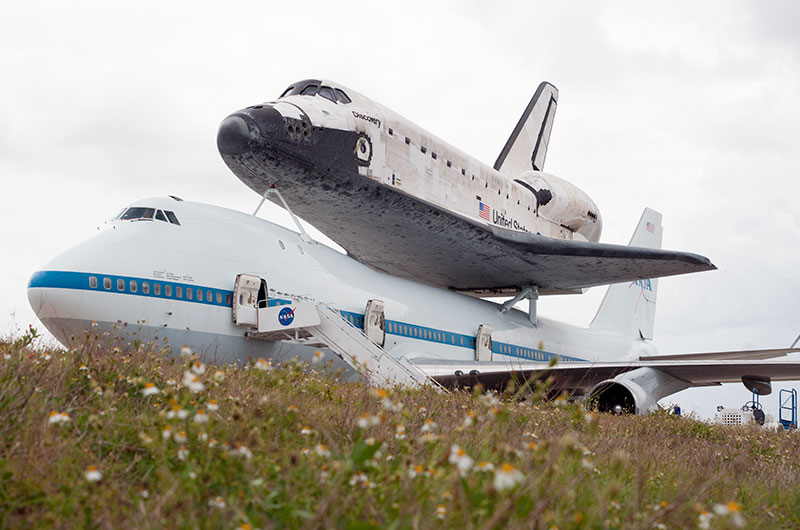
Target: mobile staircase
{"points": [[303, 322], [787, 413], [377, 365]]}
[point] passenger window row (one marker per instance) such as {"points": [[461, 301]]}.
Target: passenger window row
{"points": [[189, 293]]}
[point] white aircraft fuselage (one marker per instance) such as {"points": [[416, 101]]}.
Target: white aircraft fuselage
{"points": [[137, 275]]}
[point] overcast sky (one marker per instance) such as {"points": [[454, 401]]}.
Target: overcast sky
{"points": [[691, 108]]}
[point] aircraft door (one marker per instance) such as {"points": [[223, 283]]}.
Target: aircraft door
{"points": [[375, 322], [483, 343], [249, 294]]}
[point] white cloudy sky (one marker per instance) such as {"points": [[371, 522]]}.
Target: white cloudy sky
{"points": [[691, 108]]}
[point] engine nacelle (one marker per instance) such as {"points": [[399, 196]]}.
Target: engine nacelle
{"points": [[634, 392], [621, 397]]}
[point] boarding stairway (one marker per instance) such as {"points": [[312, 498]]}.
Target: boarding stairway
{"points": [[377, 365], [787, 413], [318, 324]]}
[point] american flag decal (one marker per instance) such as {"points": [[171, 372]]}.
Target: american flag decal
{"points": [[485, 211], [649, 227]]}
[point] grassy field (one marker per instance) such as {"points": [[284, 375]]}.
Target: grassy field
{"points": [[96, 438]]}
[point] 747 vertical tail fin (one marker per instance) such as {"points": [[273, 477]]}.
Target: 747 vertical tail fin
{"points": [[630, 308]]}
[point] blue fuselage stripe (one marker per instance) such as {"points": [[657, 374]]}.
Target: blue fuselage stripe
{"points": [[135, 286]]}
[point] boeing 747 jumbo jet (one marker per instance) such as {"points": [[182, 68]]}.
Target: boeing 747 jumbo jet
{"points": [[405, 202], [231, 286]]}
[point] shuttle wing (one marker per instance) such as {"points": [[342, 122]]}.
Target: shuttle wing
{"points": [[581, 377], [449, 250]]}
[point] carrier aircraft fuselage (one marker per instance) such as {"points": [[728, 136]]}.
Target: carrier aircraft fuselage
{"points": [[173, 270]]}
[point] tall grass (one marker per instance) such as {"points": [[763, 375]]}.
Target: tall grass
{"points": [[84, 445]]}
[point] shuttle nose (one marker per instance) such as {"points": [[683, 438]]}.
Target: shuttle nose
{"points": [[233, 137], [252, 128]]}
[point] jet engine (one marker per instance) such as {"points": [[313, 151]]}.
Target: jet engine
{"points": [[621, 397], [634, 392]]}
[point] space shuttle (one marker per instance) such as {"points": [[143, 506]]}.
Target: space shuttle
{"points": [[403, 201]]}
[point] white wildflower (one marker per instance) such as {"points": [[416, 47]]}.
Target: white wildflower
{"points": [[243, 451], [217, 502], [490, 399], [415, 471], [460, 459], [150, 390], [470, 419], [263, 365], [58, 417], [192, 382], [400, 432], [704, 520], [428, 425], [484, 467], [507, 477], [93, 474]]}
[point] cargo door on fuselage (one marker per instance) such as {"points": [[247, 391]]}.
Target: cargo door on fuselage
{"points": [[483, 343], [375, 322], [249, 294]]}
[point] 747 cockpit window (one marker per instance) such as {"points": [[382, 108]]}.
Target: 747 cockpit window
{"points": [[143, 213], [138, 213]]}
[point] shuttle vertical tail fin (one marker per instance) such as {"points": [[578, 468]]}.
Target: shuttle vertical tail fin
{"points": [[526, 148], [630, 308]]}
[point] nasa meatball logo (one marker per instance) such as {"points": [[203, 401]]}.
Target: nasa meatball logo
{"points": [[286, 316]]}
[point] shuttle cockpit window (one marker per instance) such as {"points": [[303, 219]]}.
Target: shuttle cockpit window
{"points": [[341, 97], [327, 93], [313, 87], [310, 90]]}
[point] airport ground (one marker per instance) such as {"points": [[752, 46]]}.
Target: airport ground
{"points": [[99, 438]]}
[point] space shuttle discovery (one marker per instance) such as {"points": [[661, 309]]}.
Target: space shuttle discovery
{"points": [[405, 202]]}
